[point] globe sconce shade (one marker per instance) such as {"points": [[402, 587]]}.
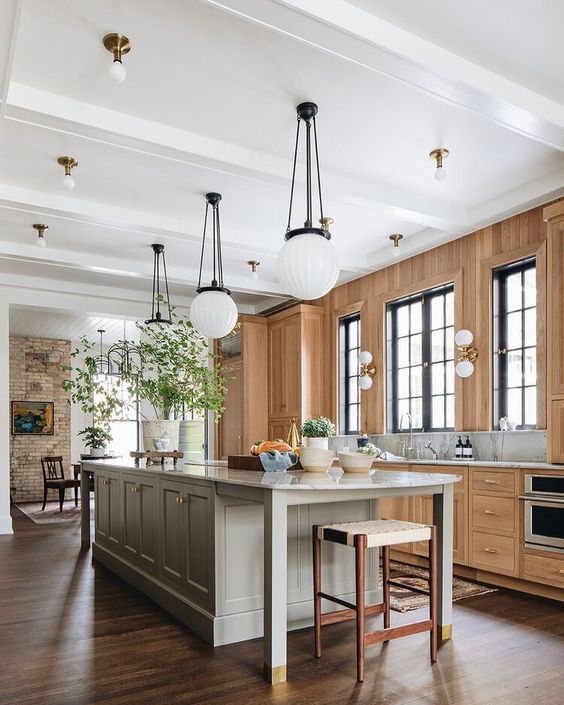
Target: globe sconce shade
{"points": [[364, 357], [467, 353], [366, 373], [365, 382]]}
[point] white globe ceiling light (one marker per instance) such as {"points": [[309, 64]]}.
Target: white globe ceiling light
{"points": [[308, 266], [160, 288], [117, 44], [395, 238], [468, 353], [40, 242], [438, 155], [213, 312], [68, 163]]}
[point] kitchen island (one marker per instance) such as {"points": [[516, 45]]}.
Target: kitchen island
{"points": [[228, 552]]}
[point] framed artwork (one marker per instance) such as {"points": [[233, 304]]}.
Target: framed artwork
{"points": [[35, 418]]}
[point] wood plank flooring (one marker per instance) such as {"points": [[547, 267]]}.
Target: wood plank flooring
{"points": [[73, 634]]}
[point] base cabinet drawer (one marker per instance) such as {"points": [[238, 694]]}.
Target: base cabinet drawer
{"points": [[542, 569], [490, 481], [493, 553], [493, 513]]}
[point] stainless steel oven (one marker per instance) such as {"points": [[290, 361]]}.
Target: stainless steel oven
{"points": [[543, 504]]}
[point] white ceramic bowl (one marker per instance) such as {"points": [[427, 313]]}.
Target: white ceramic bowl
{"points": [[316, 459], [355, 462]]}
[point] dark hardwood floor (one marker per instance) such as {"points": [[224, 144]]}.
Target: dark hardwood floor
{"points": [[73, 634]]}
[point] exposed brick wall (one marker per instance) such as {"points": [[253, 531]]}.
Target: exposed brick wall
{"points": [[35, 375]]}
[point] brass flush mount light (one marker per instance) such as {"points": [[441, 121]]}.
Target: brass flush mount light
{"points": [[439, 155], [253, 264], [117, 44], [395, 238], [40, 242], [68, 179], [468, 353]]}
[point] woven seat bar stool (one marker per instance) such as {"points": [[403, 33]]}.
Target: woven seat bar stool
{"points": [[374, 534]]}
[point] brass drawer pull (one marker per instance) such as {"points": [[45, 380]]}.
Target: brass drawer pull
{"points": [[490, 511], [180, 500], [105, 482], [561, 571], [491, 550], [492, 482], [135, 489]]}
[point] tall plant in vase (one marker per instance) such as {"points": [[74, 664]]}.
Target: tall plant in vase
{"points": [[177, 374]]}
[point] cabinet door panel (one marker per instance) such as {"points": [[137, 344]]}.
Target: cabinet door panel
{"points": [[198, 541], [291, 368], [131, 516], [148, 529], [114, 509], [276, 371], [423, 514], [556, 443], [231, 424], [101, 507], [173, 532]]}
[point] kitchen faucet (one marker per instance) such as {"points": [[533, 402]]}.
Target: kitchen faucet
{"points": [[406, 413], [433, 451]]}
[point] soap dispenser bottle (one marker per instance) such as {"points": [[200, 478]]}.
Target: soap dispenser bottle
{"points": [[459, 448]]}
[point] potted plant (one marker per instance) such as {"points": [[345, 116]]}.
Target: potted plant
{"points": [[176, 375], [97, 439], [318, 431]]}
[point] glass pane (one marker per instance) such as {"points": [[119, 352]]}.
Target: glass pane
{"points": [[531, 406], [416, 317], [514, 330], [124, 437], [353, 390], [353, 334], [531, 326], [515, 405], [353, 362], [403, 408], [403, 352], [403, 320], [530, 287], [449, 309], [353, 418], [437, 345], [416, 349], [530, 366], [438, 378], [449, 339], [416, 381], [514, 370], [438, 412], [450, 378], [450, 411], [514, 292], [437, 312], [403, 383], [417, 412]]}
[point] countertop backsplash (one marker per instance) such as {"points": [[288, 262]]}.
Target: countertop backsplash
{"points": [[525, 446]]}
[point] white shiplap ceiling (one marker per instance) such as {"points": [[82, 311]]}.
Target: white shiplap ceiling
{"points": [[209, 104]]}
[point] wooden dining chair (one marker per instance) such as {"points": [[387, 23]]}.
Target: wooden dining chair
{"points": [[54, 479]]}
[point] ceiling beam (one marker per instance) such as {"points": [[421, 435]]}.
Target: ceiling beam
{"points": [[12, 12], [341, 29]]}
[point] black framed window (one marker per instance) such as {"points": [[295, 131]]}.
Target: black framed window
{"points": [[349, 391], [420, 368], [515, 343]]}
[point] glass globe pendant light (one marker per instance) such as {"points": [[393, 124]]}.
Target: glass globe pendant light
{"points": [[308, 266], [213, 312]]}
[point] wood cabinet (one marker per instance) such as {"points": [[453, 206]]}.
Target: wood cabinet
{"points": [[245, 418], [554, 215], [543, 568], [139, 515], [296, 360], [107, 509], [187, 550]]}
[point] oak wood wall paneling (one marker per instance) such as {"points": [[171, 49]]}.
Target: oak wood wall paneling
{"points": [[255, 380], [469, 259]]}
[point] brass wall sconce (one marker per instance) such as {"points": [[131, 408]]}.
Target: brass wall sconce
{"points": [[117, 44], [439, 155], [367, 371], [68, 163], [40, 242], [253, 264], [468, 353]]}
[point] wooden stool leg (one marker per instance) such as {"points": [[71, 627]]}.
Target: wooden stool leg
{"points": [[433, 591], [316, 590], [360, 555], [386, 584]]}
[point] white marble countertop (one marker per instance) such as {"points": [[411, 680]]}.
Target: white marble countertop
{"points": [[478, 463], [282, 480]]}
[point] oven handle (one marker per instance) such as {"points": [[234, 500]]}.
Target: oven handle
{"points": [[541, 498]]}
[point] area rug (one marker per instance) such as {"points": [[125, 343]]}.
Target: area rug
{"points": [[51, 515], [402, 600]]}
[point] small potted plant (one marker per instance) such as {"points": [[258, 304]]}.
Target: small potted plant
{"points": [[318, 431], [97, 439]]}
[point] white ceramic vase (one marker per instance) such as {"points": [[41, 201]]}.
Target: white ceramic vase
{"points": [[97, 452], [155, 430], [322, 443]]}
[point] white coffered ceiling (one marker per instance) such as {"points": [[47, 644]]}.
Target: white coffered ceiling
{"points": [[209, 104]]}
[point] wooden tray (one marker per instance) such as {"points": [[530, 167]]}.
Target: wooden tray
{"points": [[252, 462]]}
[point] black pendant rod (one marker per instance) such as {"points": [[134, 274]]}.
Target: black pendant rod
{"points": [[308, 222], [203, 245], [213, 199], [288, 227], [156, 315], [317, 167]]}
